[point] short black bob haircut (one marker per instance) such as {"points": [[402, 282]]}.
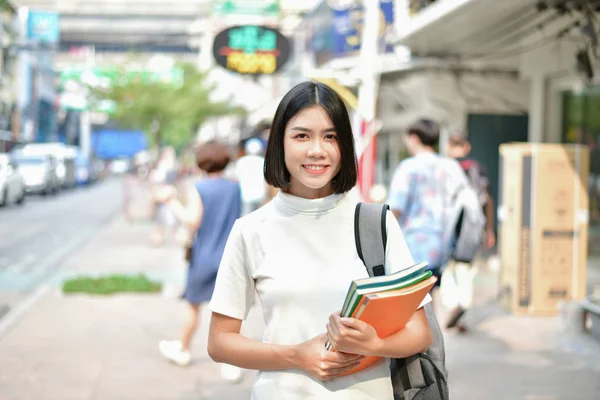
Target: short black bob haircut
{"points": [[300, 97], [428, 131]]}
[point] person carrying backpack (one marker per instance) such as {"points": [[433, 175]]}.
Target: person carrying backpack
{"points": [[457, 290], [298, 254], [421, 195]]}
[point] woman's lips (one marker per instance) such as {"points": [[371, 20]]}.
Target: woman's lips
{"points": [[315, 169]]}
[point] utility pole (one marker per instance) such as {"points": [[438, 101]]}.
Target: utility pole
{"points": [[367, 96]]}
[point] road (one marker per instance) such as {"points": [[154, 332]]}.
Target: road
{"points": [[35, 237]]}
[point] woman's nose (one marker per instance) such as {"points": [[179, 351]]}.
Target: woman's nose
{"points": [[316, 149]]}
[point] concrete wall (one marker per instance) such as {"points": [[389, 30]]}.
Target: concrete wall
{"points": [[449, 97], [551, 69]]}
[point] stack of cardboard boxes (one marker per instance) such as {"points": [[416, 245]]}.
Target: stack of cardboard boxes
{"points": [[543, 214]]}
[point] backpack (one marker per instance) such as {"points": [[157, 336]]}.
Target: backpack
{"points": [[422, 376], [477, 178], [466, 222]]}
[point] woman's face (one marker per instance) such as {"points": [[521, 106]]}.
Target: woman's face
{"points": [[312, 153]]}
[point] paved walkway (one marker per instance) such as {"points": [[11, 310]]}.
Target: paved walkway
{"points": [[529, 358], [80, 347]]}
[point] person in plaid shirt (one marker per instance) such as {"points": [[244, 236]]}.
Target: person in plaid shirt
{"points": [[420, 195]]}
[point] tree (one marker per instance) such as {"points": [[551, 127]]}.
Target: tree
{"points": [[170, 113]]}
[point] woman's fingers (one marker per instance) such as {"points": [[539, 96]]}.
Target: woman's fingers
{"points": [[342, 358], [335, 372]]}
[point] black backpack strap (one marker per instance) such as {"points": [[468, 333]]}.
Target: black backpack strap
{"points": [[370, 233]]}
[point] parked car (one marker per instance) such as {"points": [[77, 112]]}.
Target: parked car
{"points": [[12, 186], [64, 156], [39, 173]]}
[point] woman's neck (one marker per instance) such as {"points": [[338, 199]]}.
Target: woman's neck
{"points": [[310, 194]]}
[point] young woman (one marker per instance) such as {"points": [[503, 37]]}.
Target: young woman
{"points": [[210, 211], [298, 254]]}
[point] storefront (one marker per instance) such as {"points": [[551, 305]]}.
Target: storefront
{"points": [[37, 95], [552, 57], [581, 124]]}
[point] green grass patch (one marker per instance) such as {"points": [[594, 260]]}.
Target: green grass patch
{"points": [[111, 284]]}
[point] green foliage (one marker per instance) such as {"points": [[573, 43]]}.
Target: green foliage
{"points": [[168, 113], [6, 6], [111, 284]]}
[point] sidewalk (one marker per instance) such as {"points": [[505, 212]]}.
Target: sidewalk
{"points": [[531, 358], [105, 348]]}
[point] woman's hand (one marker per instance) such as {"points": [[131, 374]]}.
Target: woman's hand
{"points": [[164, 193], [351, 335], [323, 364]]}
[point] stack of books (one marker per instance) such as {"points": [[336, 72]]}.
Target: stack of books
{"points": [[387, 302]]}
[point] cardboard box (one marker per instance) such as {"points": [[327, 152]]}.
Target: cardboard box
{"points": [[543, 215]]}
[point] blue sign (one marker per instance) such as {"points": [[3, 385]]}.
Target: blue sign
{"points": [[348, 23], [43, 26]]}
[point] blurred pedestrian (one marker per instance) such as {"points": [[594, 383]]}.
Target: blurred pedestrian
{"points": [[457, 290], [249, 173], [298, 254], [420, 195], [212, 207], [459, 148], [262, 131], [163, 174], [137, 190]]}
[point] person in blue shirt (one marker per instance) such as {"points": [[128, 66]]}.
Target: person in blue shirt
{"points": [[420, 195]]}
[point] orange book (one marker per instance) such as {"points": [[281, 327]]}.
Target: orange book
{"points": [[388, 312]]}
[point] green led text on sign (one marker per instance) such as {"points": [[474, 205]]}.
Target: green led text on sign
{"points": [[249, 40], [254, 42]]}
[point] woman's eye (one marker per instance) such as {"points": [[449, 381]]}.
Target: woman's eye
{"points": [[331, 137], [301, 136]]}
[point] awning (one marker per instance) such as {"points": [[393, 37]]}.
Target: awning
{"points": [[449, 28]]}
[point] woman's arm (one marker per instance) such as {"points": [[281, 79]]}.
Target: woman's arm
{"points": [[490, 236], [191, 213], [226, 345], [355, 336]]}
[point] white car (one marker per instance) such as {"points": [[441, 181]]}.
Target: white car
{"points": [[39, 173], [12, 186], [64, 156]]}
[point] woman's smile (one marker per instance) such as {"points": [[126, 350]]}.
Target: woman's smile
{"points": [[315, 169]]}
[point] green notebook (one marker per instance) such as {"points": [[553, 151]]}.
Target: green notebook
{"points": [[359, 293], [359, 287]]}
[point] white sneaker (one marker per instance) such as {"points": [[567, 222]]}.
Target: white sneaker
{"points": [[171, 349], [231, 373]]}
